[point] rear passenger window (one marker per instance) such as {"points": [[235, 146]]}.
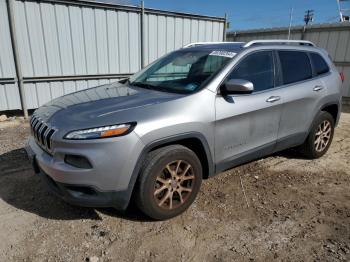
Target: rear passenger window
{"points": [[295, 66], [257, 68], [320, 65]]}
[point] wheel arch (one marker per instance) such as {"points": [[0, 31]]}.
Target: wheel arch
{"points": [[193, 140], [333, 109]]}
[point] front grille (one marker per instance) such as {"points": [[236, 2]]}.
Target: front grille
{"points": [[42, 133]]}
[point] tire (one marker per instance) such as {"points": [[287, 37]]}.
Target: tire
{"points": [[166, 174], [311, 148]]}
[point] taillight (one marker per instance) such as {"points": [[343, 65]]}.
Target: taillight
{"points": [[342, 77]]}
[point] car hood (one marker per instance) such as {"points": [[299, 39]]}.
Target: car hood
{"points": [[101, 105]]}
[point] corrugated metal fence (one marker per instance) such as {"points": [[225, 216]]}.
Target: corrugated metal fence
{"points": [[66, 45], [335, 38]]}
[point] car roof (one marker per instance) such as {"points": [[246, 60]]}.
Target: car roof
{"points": [[239, 46]]}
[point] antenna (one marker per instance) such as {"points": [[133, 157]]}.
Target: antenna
{"points": [[290, 21]]}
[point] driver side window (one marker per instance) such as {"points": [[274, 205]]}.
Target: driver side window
{"points": [[257, 68]]}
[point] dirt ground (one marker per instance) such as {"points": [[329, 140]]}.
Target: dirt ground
{"points": [[299, 210]]}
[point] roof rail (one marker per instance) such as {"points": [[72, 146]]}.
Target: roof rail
{"points": [[283, 42], [208, 43]]}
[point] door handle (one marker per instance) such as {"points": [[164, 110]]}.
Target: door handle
{"points": [[318, 88], [273, 99]]}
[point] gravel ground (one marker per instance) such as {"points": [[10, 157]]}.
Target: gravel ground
{"points": [[299, 210]]}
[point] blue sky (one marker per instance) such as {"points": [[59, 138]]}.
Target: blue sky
{"points": [[244, 14]]}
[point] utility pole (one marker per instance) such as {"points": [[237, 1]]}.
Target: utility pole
{"points": [[341, 10], [290, 21], [309, 16], [225, 28], [142, 32]]}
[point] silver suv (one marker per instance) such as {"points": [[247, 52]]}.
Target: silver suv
{"points": [[191, 114]]}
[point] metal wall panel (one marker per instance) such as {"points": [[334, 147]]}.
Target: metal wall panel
{"points": [[166, 33], [64, 39], [7, 67], [9, 97], [42, 92], [335, 38]]}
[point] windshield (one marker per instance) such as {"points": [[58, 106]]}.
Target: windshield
{"points": [[183, 71]]}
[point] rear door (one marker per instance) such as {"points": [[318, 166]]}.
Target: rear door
{"points": [[301, 91], [247, 125]]}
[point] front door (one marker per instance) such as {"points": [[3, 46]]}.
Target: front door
{"points": [[247, 125]]}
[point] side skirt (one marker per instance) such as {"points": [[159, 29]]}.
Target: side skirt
{"points": [[262, 151], [290, 141], [245, 157]]}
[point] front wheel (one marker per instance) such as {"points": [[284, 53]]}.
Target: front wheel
{"points": [[169, 182], [320, 136]]}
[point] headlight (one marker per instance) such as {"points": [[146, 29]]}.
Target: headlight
{"points": [[101, 132]]}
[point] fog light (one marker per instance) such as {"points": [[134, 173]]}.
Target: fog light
{"points": [[77, 161]]}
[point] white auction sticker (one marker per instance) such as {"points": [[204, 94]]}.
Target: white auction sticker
{"points": [[223, 53]]}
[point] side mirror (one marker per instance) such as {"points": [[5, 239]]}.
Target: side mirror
{"points": [[237, 86]]}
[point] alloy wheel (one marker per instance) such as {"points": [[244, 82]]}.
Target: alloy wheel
{"points": [[174, 184], [323, 135]]}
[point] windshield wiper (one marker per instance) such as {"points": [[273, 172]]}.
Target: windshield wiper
{"points": [[156, 88], [143, 85], [148, 86]]}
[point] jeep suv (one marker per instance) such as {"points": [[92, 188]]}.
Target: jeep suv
{"points": [[191, 114]]}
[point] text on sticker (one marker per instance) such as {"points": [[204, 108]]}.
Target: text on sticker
{"points": [[223, 53]]}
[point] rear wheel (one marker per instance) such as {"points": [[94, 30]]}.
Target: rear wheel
{"points": [[320, 136], [169, 182]]}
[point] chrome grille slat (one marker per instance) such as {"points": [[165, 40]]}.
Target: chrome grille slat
{"points": [[38, 126], [31, 120], [35, 121], [42, 133], [31, 126], [49, 139], [45, 135]]}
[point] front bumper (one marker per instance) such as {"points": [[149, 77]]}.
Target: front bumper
{"points": [[108, 183], [84, 195]]}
